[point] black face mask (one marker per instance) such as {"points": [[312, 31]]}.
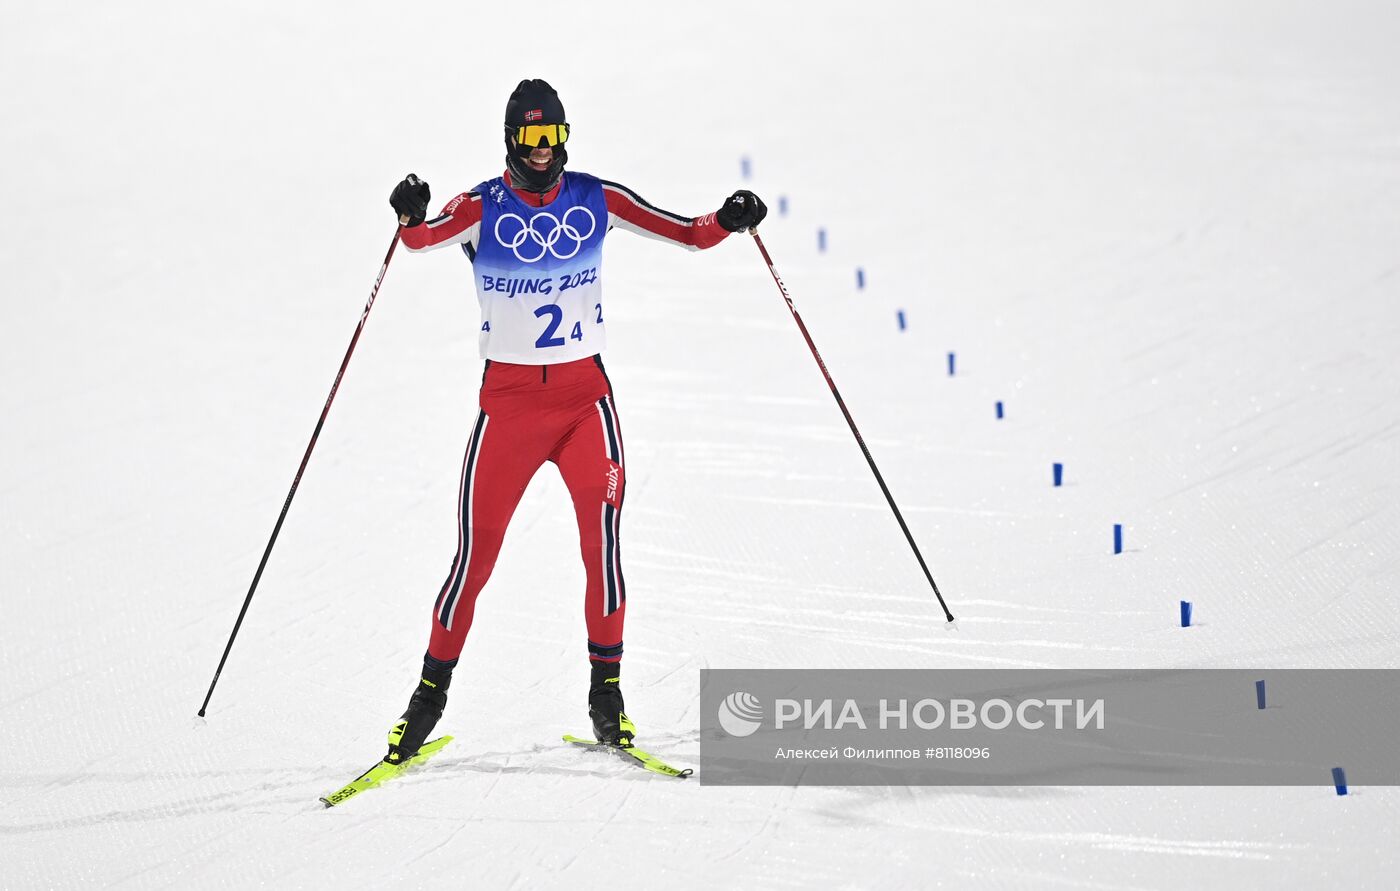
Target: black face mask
{"points": [[525, 177]]}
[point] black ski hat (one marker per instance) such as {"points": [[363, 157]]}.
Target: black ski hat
{"points": [[533, 102]]}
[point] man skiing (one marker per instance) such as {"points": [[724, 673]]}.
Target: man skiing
{"points": [[534, 236]]}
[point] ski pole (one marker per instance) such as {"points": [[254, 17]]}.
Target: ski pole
{"points": [[296, 481], [849, 420]]}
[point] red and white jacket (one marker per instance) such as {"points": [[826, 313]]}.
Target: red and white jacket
{"points": [[460, 220], [539, 278]]}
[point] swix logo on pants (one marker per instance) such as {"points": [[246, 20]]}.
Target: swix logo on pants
{"points": [[614, 482]]}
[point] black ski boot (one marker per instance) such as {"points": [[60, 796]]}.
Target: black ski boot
{"points": [[424, 709], [611, 726]]}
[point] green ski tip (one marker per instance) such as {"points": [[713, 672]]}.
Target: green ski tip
{"points": [[635, 756], [383, 772]]}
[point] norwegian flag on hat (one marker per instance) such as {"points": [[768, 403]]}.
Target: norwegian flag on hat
{"points": [[534, 115]]}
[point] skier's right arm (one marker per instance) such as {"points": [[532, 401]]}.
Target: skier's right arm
{"points": [[459, 222]]}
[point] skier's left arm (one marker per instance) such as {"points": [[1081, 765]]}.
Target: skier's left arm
{"points": [[628, 210]]}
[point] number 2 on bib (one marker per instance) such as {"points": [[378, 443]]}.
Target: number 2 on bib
{"points": [[556, 315]]}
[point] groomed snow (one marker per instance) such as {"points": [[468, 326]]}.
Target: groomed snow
{"points": [[1163, 233]]}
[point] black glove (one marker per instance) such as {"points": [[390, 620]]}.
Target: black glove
{"points": [[743, 210], [410, 200]]}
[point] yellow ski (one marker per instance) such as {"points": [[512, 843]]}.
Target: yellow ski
{"points": [[634, 755], [382, 772]]}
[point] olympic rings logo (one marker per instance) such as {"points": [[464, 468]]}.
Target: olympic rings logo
{"points": [[548, 236]]}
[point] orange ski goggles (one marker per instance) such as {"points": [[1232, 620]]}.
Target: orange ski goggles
{"points": [[540, 135]]}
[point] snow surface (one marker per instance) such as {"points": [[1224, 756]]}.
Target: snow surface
{"points": [[1163, 233]]}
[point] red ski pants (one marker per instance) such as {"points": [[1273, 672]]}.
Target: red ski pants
{"points": [[531, 414]]}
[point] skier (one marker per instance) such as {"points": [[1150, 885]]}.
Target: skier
{"points": [[534, 236]]}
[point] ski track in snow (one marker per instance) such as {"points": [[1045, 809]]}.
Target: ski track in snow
{"points": [[1161, 234]]}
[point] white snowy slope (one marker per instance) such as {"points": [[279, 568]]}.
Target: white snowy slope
{"points": [[1163, 233]]}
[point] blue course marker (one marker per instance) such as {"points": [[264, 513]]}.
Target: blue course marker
{"points": [[1001, 411], [1259, 693], [1185, 614], [821, 241], [782, 205], [1339, 779], [860, 278], [1057, 470], [745, 167], [1117, 538], [900, 316], [952, 364]]}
